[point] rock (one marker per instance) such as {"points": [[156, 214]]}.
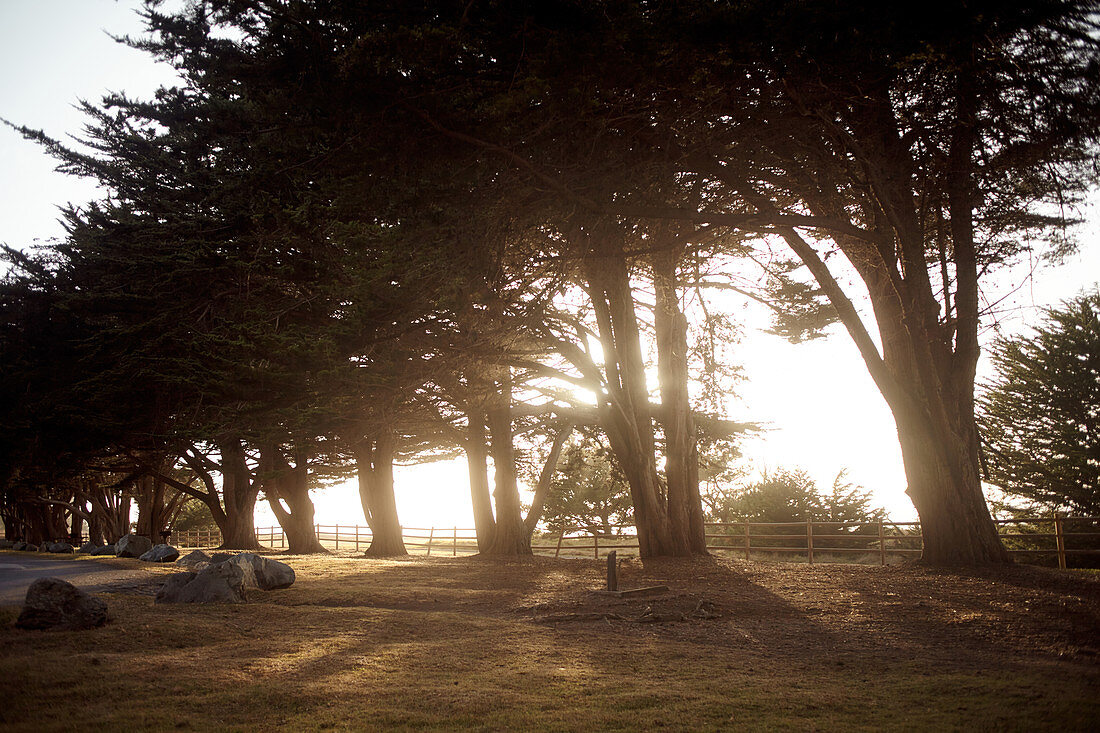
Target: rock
{"points": [[20, 545], [28, 547], [59, 547], [260, 572], [220, 556], [105, 550], [221, 583], [88, 547], [53, 603], [193, 558], [133, 545], [160, 553], [6, 544]]}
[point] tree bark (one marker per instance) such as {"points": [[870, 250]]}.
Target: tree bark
{"points": [[287, 491], [477, 456], [685, 502], [239, 493], [510, 536], [374, 462]]}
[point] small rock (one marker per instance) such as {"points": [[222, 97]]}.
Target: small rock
{"points": [[221, 583], [20, 545], [105, 550], [87, 548], [160, 553], [28, 547], [260, 572], [59, 547], [193, 558], [6, 544], [53, 603], [133, 545]]}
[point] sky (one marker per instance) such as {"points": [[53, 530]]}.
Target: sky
{"points": [[823, 412]]}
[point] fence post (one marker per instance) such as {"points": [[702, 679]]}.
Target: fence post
{"points": [[748, 541], [1061, 537], [357, 538], [337, 536], [454, 544], [560, 538], [810, 540], [431, 533], [596, 545], [881, 544]]}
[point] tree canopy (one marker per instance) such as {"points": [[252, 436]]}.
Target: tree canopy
{"points": [[1040, 412]]}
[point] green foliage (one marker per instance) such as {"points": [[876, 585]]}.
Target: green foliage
{"points": [[194, 514], [1040, 414], [588, 491], [790, 495]]}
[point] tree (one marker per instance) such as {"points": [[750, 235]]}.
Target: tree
{"points": [[588, 491], [1039, 415]]}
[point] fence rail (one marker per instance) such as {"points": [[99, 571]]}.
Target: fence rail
{"points": [[817, 541]]}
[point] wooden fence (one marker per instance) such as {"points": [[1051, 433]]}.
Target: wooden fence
{"points": [[815, 541]]}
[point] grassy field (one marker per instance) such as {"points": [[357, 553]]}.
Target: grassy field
{"points": [[469, 643]]}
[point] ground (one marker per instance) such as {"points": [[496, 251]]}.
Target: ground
{"points": [[471, 643]]}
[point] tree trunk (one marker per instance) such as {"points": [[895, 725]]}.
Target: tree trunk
{"points": [[239, 493], [546, 478], [685, 502], [624, 407], [477, 456], [511, 536], [374, 462], [287, 490]]}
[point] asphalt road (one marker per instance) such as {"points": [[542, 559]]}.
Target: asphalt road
{"points": [[19, 569]]}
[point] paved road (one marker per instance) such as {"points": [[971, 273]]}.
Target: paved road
{"points": [[19, 569]]}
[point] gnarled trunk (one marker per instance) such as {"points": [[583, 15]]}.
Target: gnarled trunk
{"points": [[287, 490], [239, 493], [374, 462], [510, 536]]}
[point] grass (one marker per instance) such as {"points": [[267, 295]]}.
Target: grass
{"points": [[466, 644]]}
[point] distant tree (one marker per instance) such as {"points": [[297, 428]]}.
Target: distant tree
{"points": [[588, 491], [790, 495], [1039, 415]]}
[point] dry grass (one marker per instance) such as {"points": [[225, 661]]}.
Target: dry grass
{"points": [[475, 644]]}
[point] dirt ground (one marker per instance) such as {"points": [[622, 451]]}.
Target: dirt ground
{"points": [[441, 643]]}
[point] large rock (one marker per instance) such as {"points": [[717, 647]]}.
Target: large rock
{"points": [[260, 572], [28, 547], [6, 544], [221, 583], [160, 553], [19, 545], [193, 559], [59, 547], [53, 603], [133, 545], [105, 550], [88, 547], [221, 556]]}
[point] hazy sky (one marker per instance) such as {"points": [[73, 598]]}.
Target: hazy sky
{"points": [[823, 408]]}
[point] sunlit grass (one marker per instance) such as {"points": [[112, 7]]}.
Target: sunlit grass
{"points": [[464, 644]]}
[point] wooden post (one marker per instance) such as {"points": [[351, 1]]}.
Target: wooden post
{"points": [[431, 533], [454, 545], [881, 544], [810, 540], [357, 538], [748, 541], [560, 538], [1061, 538], [337, 536], [596, 545], [612, 571]]}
